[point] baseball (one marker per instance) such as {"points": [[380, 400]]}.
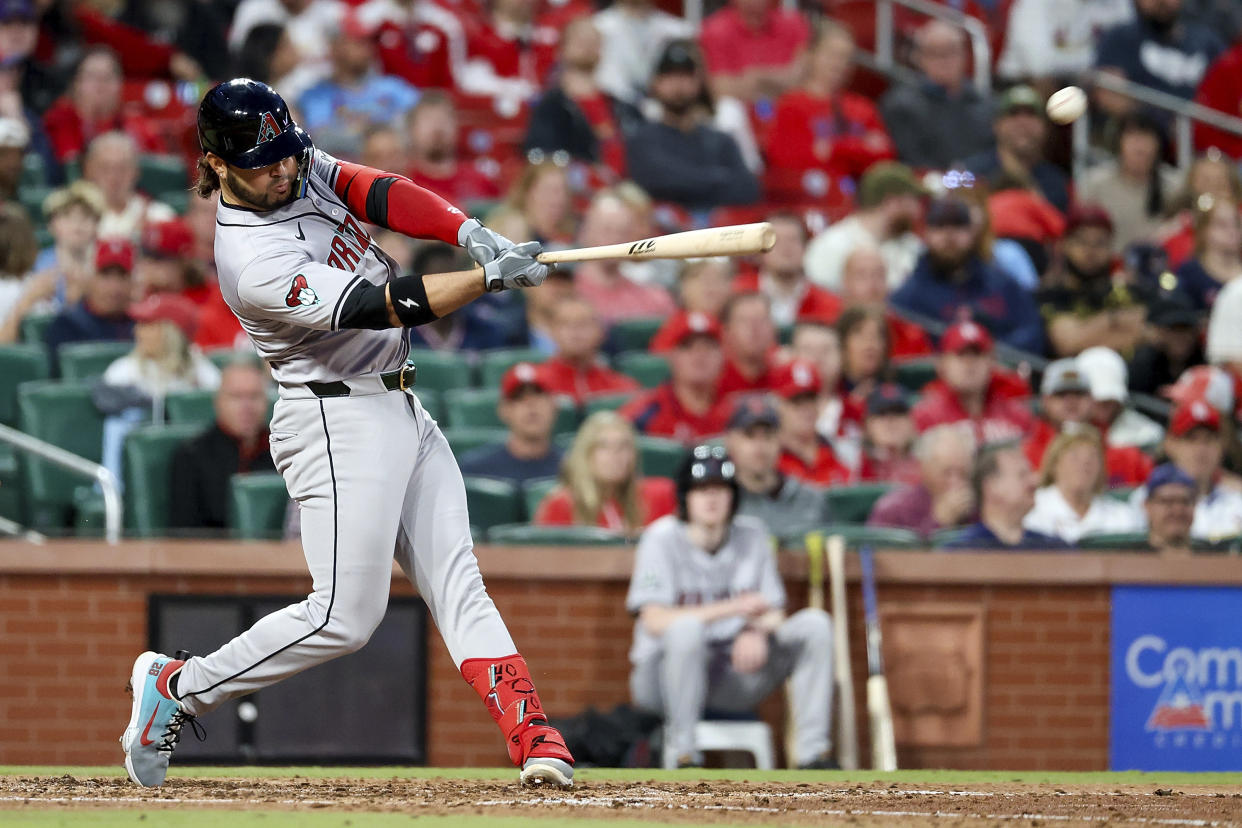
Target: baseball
{"points": [[1067, 105]]}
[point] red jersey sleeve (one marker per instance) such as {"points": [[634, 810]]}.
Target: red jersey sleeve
{"points": [[397, 203]]}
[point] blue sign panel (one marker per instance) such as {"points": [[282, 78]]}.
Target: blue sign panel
{"points": [[1176, 679]]}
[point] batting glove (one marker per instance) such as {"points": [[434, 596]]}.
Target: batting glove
{"points": [[482, 244], [514, 268]]}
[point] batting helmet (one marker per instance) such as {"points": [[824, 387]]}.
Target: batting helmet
{"points": [[247, 124], [702, 466]]}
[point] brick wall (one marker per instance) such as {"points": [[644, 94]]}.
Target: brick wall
{"points": [[68, 641]]}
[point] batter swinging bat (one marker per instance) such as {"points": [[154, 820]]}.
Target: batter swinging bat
{"points": [[847, 732], [734, 240], [879, 710]]}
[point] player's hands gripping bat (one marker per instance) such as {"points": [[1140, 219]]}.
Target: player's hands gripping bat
{"points": [[484, 245], [879, 710], [514, 268]]}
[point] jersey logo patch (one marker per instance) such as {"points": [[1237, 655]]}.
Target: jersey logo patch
{"points": [[268, 129], [301, 295]]}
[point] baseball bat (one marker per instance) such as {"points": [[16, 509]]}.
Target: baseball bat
{"points": [[847, 732], [734, 240], [879, 710], [815, 570]]}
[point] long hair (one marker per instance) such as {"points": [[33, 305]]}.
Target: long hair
{"points": [[579, 480], [173, 363], [18, 246], [853, 318], [1188, 199], [1202, 216], [1082, 435], [207, 182]]}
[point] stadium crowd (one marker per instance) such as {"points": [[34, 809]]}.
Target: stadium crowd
{"points": [[950, 325]]}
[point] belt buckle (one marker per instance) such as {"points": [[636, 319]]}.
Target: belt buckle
{"points": [[402, 383]]}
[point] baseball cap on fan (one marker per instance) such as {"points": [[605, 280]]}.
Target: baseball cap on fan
{"points": [[1191, 415], [519, 377], [167, 307], [678, 56], [169, 239], [753, 410], [13, 11], [686, 325], [117, 254], [796, 379], [1020, 98], [966, 336], [887, 398], [1063, 376], [14, 134]]}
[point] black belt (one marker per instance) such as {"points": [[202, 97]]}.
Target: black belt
{"points": [[397, 380]]}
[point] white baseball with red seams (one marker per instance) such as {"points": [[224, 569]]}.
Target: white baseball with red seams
{"points": [[1066, 105]]}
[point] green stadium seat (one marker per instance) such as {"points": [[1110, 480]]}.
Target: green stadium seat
{"points": [[197, 408], [534, 491], [83, 361], [34, 328], [913, 374], [90, 518], [524, 534], [31, 198], [659, 456], [440, 371], [649, 369], [634, 334], [1116, 541], [62, 414], [493, 502], [18, 364], [605, 402], [942, 537], [148, 475], [493, 364], [73, 170], [1121, 493], [258, 502], [852, 504], [178, 199], [476, 408], [34, 174], [463, 440], [162, 173], [854, 535], [12, 504]]}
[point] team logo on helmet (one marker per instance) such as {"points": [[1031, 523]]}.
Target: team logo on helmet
{"points": [[301, 294], [268, 129]]}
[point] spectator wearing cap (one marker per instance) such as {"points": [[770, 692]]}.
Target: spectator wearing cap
{"points": [[1169, 510], [101, 313], [111, 164], [475, 327], [236, 442], [602, 483], [92, 107], [1004, 485], [940, 117], [433, 131], [1136, 187], [804, 453], [888, 438], [38, 83], [166, 264], [1172, 346], [1107, 375], [821, 126], [72, 214], [840, 415], [864, 285], [968, 388], [754, 48], [1224, 337], [782, 279], [1215, 385], [1021, 133], [528, 410], [1217, 256], [355, 96], [1071, 501], [17, 255], [749, 340], [688, 406], [953, 280], [889, 207], [785, 504], [576, 370], [1065, 404], [1195, 444], [1082, 304], [942, 497], [635, 34], [703, 286], [680, 158]]}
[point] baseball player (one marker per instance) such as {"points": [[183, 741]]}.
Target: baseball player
{"points": [[711, 631], [374, 476]]}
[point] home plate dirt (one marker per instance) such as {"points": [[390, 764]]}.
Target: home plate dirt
{"points": [[714, 802]]}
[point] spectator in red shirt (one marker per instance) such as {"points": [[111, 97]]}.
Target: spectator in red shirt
{"points": [[433, 160], [418, 40], [601, 484], [754, 48], [1221, 91], [1212, 175], [942, 498], [749, 342], [1064, 402], [509, 54], [864, 284], [968, 388], [781, 278], [819, 126], [863, 333], [92, 107], [888, 438], [804, 453], [688, 407], [575, 369], [840, 416]]}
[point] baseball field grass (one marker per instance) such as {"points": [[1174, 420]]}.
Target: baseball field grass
{"points": [[379, 797]]}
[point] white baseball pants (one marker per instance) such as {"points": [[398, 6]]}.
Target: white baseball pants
{"points": [[375, 479]]}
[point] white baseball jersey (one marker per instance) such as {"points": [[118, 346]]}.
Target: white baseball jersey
{"points": [[286, 273], [670, 570]]}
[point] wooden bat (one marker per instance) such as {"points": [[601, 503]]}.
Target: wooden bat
{"points": [[847, 731], [879, 710], [734, 240], [814, 599]]}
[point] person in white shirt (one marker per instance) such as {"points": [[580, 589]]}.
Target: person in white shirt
{"points": [[1049, 39], [1071, 501], [111, 164], [1108, 377], [1196, 446], [634, 34]]}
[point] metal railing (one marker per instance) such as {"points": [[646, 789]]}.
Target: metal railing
{"points": [[56, 455], [980, 47]]}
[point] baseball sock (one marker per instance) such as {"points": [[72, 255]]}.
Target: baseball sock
{"points": [[507, 690]]}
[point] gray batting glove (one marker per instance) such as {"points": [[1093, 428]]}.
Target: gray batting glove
{"points": [[482, 244], [514, 268]]}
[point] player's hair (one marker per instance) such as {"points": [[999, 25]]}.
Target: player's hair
{"points": [[207, 182], [1086, 435], [579, 480]]}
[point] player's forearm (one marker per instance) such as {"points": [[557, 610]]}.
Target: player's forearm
{"points": [[446, 292], [768, 622], [657, 618], [397, 203]]}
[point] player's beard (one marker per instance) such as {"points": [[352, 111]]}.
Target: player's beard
{"points": [[265, 199]]}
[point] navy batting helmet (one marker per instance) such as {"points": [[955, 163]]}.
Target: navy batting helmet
{"points": [[702, 466], [247, 124]]}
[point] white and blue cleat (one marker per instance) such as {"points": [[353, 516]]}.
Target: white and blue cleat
{"points": [[156, 720]]}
